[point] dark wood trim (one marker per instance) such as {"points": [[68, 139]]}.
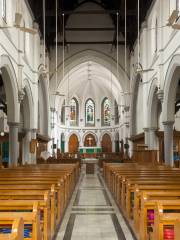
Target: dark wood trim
{"points": [[137, 137]]}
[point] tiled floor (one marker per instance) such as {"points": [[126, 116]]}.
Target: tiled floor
{"points": [[92, 213]]}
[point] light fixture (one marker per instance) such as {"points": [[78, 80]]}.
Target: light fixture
{"points": [[2, 134], [176, 26], [138, 66], [173, 17]]}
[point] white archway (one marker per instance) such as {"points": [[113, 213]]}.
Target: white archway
{"points": [[170, 88], [11, 88]]}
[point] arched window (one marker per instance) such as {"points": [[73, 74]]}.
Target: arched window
{"points": [[90, 112], [74, 110], [106, 112], [116, 112], [63, 113]]}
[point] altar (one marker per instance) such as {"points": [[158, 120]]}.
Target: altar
{"points": [[90, 164], [90, 150]]}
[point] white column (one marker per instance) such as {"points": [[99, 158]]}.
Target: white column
{"points": [[26, 158], [146, 136], [152, 139], [13, 144], [168, 142], [33, 155]]}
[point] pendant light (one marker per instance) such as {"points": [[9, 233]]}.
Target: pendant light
{"points": [[172, 16], [67, 97], [56, 70], [138, 67]]}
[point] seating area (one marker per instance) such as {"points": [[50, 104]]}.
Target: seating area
{"points": [[148, 196], [33, 199]]}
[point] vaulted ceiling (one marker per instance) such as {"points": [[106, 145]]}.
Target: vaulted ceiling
{"points": [[109, 7]]}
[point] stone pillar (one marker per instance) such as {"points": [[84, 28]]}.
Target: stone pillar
{"points": [[34, 155], [146, 136], [13, 144], [152, 139], [168, 143], [26, 158]]}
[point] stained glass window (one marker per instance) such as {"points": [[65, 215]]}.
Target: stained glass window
{"points": [[106, 112], [73, 112], [116, 112], [90, 112], [63, 113]]}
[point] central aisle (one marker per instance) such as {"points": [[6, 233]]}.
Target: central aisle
{"points": [[92, 213]]}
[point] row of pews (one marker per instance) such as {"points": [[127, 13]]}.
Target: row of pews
{"points": [[33, 199], [148, 197]]}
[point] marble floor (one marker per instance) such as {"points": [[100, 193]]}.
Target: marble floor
{"points": [[92, 213]]}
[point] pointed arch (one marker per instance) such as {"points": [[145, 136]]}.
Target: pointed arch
{"points": [[90, 112], [11, 88], [74, 112], [105, 112]]}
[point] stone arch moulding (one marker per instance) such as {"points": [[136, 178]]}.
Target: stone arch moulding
{"points": [[90, 132], [11, 88], [133, 104], [170, 88], [30, 105], [74, 133], [105, 132], [100, 58], [152, 105], [45, 96]]}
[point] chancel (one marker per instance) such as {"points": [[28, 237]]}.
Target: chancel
{"points": [[90, 119]]}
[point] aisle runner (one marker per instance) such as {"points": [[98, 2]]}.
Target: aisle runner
{"points": [[92, 214]]}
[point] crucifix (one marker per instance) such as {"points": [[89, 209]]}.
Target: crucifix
{"points": [[89, 141]]}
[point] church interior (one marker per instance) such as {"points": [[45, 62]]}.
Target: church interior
{"points": [[90, 119]]}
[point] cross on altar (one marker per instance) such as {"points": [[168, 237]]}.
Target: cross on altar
{"points": [[89, 140]]}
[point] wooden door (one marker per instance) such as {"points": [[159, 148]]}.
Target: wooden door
{"points": [[106, 143], [73, 144]]}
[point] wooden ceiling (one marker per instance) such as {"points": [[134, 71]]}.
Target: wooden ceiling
{"points": [[110, 7]]}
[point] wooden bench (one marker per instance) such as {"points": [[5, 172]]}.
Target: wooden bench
{"points": [[17, 230], [31, 221]]}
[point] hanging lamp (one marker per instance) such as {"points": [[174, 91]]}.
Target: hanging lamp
{"points": [[67, 103], [173, 16], [138, 66], [57, 93]]}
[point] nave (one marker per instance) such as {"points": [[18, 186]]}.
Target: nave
{"points": [[92, 213]]}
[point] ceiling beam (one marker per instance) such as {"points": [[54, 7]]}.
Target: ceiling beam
{"points": [[89, 12], [121, 29], [90, 43]]}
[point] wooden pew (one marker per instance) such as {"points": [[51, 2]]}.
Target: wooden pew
{"points": [[17, 232], [18, 200], [30, 218], [166, 225], [148, 211]]}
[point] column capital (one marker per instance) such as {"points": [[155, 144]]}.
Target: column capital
{"points": [[146, 129], [153, 129], [21, 95], [160, 95], [166, 123], [13, 124]]}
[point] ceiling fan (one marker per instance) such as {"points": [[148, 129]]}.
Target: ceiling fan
{"points": [[17, 24]]}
